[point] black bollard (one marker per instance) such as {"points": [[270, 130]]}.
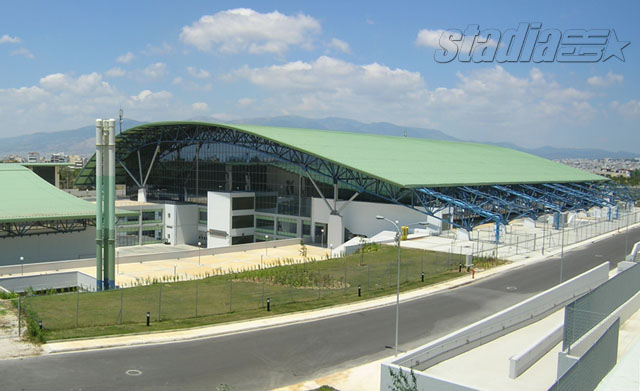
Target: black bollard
{"points": [[148, 317], [268, 304], [40, 324], [359, 291], [422, 277], [459, 268]]}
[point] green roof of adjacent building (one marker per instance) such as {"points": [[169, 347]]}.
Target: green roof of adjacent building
{"points": [[418, 162], [27, 197]]}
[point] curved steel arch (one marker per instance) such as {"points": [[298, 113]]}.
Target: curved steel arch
{"points": [[477, 205]]}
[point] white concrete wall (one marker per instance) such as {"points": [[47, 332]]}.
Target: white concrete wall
{"points": [[505, 321], [187, 224], [52, 247], [218, 218], [519, 363], [430, 383], [181, 224], [360, 217]]}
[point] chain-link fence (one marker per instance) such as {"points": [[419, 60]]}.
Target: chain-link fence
{"points": [[515, 242], [589, 310], [587, 372], [331, 281]]}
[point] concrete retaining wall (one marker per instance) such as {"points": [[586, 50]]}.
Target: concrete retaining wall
{"points": [[505, 321], [422, 382], [523, 361]]}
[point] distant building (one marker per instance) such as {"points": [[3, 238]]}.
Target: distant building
{"points": [[59, 157], [33, 157]]}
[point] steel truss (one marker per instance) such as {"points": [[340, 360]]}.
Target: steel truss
{"points": [[470, 205], [41, 227]]}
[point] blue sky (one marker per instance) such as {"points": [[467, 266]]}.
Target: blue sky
{"points": [[66, 63]]}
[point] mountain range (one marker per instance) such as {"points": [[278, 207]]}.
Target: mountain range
{"points": [[82, 141]]}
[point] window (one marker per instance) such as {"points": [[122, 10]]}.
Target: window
{"points": [[203, 216], [242, 239], [242, 203], [242, 222], [287, 227], [306, 228]]}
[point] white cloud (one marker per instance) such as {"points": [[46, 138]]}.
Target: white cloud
{"points": [[148, 96], [429, 38], [340, 45], [23, 52], [243, 102], [245, 30], [6, 38], [153, 71], [65, 101], [200, 106], [630, 109], [126, 58], [488, 103], [152, 50], [115, 72], [190, 85], [199, 73], [609, 79]]}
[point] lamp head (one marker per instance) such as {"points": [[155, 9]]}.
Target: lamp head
{"points": [[378, 217]]}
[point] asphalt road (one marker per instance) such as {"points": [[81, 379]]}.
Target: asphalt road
{"points": [[262, 360]]}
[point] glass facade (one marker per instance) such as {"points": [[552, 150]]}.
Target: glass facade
{"points": [[186, 173]]}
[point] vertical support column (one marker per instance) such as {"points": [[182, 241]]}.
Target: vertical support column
{"points": [[99, 164], [110, 211]]}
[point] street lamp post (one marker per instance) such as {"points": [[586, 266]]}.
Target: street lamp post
{"points": [[395, 224], [322, 238], [199, 247], [266, 245], [22, 266]]}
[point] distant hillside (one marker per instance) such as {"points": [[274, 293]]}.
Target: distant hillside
{"points": [[572, 153], [347, 125], [82, 141]]}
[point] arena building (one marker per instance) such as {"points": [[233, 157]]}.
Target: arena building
{"points": [[220, 185]]}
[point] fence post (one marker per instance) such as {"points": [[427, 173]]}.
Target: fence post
{"points": [[345, 277], [19, 318], [406, 273], [77, 305], [262, 299], [159, 301], [121, 309], [196, 298], [368, 277], [230, 295]]}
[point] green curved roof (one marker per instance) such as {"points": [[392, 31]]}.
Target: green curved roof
{"points": [[27, 197], [405, 161]]}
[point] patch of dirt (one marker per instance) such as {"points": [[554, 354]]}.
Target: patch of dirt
{"points": [[10, 345]]}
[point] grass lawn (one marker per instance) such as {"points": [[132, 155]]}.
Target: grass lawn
{"points": [[240, 296]]}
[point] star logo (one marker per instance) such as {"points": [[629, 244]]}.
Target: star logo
{"points": [[614, 47]]}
